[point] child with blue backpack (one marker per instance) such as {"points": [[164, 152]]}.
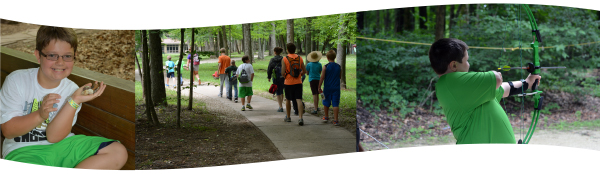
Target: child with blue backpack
{"points": [[230, 71]]}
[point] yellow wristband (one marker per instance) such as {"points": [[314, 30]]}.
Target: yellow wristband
{"points": [[73, 104]]}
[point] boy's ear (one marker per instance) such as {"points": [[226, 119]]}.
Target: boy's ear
{"points": [[37, 56]]}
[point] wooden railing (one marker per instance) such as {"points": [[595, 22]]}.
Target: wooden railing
{"points": [[112, 115]]}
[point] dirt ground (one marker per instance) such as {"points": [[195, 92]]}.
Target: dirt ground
{"points": [[208, 137], [423, 127], [109, 52]]}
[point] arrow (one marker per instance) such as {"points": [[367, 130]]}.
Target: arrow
{"points": [[508, 68]]}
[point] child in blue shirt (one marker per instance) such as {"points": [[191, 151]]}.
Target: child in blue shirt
{"points": [[314, 75], [331, 75]]}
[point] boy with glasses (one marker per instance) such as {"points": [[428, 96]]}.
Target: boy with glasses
{"points": [[40, 106]]}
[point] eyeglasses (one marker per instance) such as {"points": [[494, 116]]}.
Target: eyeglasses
{"points": [[54, 57]]}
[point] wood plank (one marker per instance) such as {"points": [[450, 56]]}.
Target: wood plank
{"points": [[107, 125]]}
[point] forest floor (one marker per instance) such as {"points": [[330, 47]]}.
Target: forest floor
{"points": [[108, 52], [209, 136], [567, 120]]}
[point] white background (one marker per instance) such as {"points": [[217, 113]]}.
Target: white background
{"points": [[124, 14]]}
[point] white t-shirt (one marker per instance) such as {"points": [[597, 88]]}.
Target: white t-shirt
{"points": [[249, 71], [21, 94]]}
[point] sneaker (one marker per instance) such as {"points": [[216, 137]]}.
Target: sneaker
{"points": [[301, 122], [167, 85], [280, 110], [325, 119], [248, 106], [229, 98], [235, 100], [314, 112], [287, 119], [336, 123], [243, 108], [220, 95]]}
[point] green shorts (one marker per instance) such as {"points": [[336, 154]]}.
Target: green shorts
{"points": [[67, 153], [245, 91]]}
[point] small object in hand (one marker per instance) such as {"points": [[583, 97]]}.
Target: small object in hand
{"points": [[90, 90], [55, 105]]}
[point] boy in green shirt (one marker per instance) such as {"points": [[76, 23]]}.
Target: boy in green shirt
{"points": [[471, 99]]}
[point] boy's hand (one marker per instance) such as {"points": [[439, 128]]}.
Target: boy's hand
{"points": [[80, 98], [531, 79], [320, 90], [47, 105], [498, 79]]}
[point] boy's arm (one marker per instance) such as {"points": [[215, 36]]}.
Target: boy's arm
{"points": [[11, 105], [62, 123], [303, 69], [322, 79], [283, 66], [518, 84]]}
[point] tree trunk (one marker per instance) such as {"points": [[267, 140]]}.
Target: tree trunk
{"points": [[387, 20], [290, 31], [324, 45], [440, 22], [341, 52], [422, 14], [399, 20], [150, 112], [308, 41], [191, 95], [140, 72], [377, 17], [248, 42], [360, 21], [273, 38], [261, 51], [298, 46], [409, 20], [178, 68], [159, 95], [224, 31], [282, 42]]}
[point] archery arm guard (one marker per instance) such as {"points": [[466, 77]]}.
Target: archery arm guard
{"points": [[519, 90]]}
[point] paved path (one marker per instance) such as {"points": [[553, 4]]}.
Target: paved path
{"points": [[315, 138]]}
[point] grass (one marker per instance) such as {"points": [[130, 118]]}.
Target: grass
{"points": [[171, 98], [593, 125]]}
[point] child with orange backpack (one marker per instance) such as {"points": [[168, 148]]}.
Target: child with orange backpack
{"points": [[293, 68]]}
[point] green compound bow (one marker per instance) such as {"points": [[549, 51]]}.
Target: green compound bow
{"points": [[533, 68]]}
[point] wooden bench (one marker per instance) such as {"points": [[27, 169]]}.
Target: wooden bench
{"points": [[111, 115]]}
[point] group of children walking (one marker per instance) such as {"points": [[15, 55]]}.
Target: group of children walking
{"points": [[288, 74]]}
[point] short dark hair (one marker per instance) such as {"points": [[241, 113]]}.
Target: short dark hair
{"points": [[330, 55], [245, 58], [278, 50], [46, 34], [444, 51], [223, 50], [291, 48]]}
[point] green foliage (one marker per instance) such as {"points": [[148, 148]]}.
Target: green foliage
{"points": [[396, 75]]}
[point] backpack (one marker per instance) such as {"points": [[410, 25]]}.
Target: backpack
{"points": [[277, 71], [196, 61], [232, 76], [295, 66], [273, 89], [244, 77]]}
